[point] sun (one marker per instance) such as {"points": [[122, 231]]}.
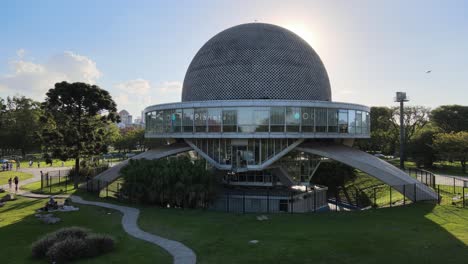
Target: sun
{"points": [[302, 31]]}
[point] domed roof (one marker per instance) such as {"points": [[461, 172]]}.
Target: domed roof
{"points": [[256, 61]]}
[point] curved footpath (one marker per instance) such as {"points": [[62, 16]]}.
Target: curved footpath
{"points": [[180, 253]]}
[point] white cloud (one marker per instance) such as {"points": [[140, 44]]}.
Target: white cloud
{"points": [[135, 95], [138, 86], [20, 53], [34, 79]]}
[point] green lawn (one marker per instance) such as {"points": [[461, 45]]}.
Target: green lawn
{"points": [[35, 187], [19, 228], [412, 234], [55, 163], [5, 175], [417, 233]]}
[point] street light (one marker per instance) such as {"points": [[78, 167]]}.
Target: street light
{"points": [[401, 98]]}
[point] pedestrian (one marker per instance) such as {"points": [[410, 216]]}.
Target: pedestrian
{"points": [[38, 164], [30, 163], [16, 183], [10, 181]]}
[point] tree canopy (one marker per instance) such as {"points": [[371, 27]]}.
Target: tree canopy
{"points": [[451, 118], [75, 117], [453, 146], [19, 120]]}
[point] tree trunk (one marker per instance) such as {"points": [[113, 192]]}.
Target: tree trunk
{"points": [[463, 165], [76, 177]]}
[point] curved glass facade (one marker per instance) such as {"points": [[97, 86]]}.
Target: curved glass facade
{"points": [[257, 120]]}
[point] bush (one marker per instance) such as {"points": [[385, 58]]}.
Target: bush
{"points": [[74, 232], [40, 247], [99, 244], [178, 182], [68, 249], [72, 243]]}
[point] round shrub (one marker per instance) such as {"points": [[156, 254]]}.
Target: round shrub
{"points": [[73, 231], [72, 243], [68, 249], [99, 244], [40, 247]]}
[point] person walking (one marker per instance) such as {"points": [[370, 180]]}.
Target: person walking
{"points": [[10, 181], [16, 183]]}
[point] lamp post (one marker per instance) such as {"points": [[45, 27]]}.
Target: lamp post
{"points": [[401, 98]]}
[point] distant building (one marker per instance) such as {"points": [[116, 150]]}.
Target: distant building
{"points": [[125, 118]]}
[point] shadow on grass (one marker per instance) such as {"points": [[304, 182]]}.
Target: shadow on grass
{"points": [[416, 233], [17, 236]]}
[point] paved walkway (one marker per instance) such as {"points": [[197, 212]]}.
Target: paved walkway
{"points": [[180, 253], [36, 172]]}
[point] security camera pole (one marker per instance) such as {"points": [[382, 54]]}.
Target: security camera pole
{"points": [[401, 98]]}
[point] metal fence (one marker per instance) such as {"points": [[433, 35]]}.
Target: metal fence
{"points": [[450, 190], [60, 181], [55, 181]]}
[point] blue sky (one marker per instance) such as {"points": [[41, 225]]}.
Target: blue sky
{"points": [[140, 50]]}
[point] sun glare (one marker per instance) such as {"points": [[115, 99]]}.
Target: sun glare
{"points": [[303, 31]]}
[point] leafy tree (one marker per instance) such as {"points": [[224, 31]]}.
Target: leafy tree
{"points": [[421, 148], [131, 139], [451, 118], [453, 146], [20, 122], [333, 175], [384, 131], [415, 118], [75, 115], [174, 181], [2, 111]]}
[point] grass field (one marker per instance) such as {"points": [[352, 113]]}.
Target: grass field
{"points": [[35, 187], [418, 233], [55, 163], [19, 228], [5, 175]]}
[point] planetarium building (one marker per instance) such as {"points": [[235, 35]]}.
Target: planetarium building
{"points": [[257, 106]]}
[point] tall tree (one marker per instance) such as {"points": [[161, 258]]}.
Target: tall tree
{"points": [[453, 146], [20, 123], [415, 118], [421, 148], [451, 118], [384, 131], [75, 115]]}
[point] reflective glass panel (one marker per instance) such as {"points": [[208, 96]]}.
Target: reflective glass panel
{"points": [[187, 120], [320, 119], [293, 119], [352, 121], [214, 120], [343, 121], [307, 121], [200, 117], [277, 119], [229, 120]]}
